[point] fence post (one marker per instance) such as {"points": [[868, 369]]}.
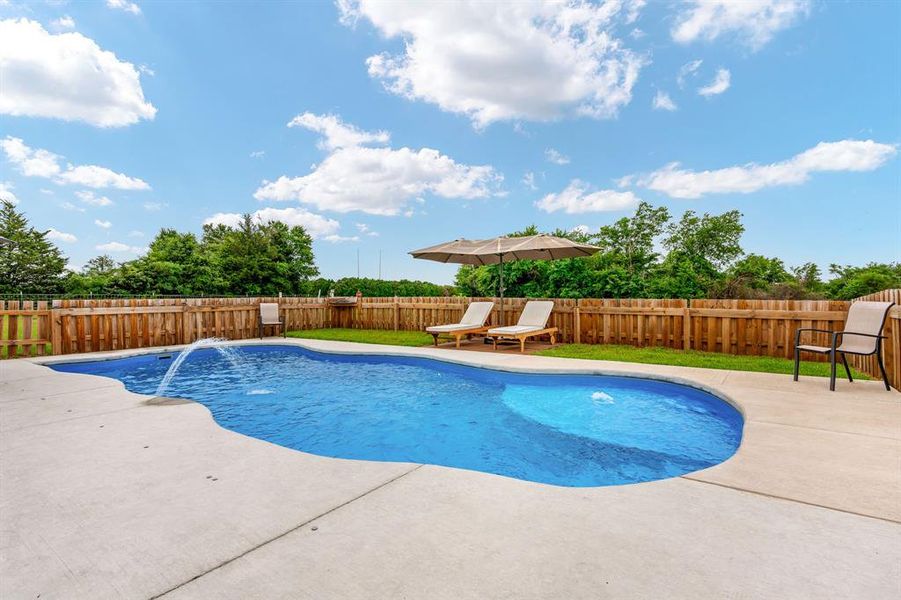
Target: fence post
{"points": [[187, 324], [577, 324], [396, 313], [686, 326], [56, 331]]}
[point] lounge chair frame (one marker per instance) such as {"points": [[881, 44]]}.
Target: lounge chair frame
{"points": [[522, 337], [833, 350], [460, 334]]}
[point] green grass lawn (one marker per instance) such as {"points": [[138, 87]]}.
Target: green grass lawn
{"points": [[691, 358], [366, 336]]}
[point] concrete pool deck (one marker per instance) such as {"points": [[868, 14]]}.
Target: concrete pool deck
{"points": [[106, 495]]}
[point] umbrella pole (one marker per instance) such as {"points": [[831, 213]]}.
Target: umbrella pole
{"points": [[501, 269]]}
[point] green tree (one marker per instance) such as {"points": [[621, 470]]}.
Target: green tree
{"points": [[628, 252], [752, 276], [852, 282], [173, 265], [715, 239], [99, 265], [258, 258], [32, 264], [94, 278]]}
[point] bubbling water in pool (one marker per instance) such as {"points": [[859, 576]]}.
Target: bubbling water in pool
{"points": [[229, 353]]}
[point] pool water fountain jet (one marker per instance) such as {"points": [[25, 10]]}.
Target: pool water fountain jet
{"points": [[229, 353]]}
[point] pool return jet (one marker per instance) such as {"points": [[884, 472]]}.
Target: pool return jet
{"points": [[505, 249]]}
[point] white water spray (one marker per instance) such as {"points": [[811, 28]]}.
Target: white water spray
{"points": [[229, 353]]}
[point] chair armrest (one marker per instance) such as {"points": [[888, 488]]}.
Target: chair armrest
{"points": [[798, 333], [872, 335]]}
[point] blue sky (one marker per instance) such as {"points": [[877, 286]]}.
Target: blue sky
{"points": [[412, 124]]}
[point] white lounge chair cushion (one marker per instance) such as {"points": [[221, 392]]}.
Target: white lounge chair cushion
{"points": [[475, 316], [535, 314], [477, 313], [513, 330], [451, 328]]}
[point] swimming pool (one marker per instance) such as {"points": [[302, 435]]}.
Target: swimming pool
{"points": [[569, 430]]}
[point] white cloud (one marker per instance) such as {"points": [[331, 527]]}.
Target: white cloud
{"points": [[528, 180], [60, 236], [129, 7], [337, 239], [377, 181], [317, 226], [30, 162], [337, 134], [556, 157], [381, 181], [42, 163], [6, 192], [135, 233], [689, 69], [145, 70], [583, 229], [633, 10], [754, 22], [662, 101], [72, 207], [845, 155], [504, 61], [64, 22], [102, 224], [720, 84], [89, 198], [258, 154], [577, 199], [119, 247], [100, 177], [365, 230], [67, 76], [154, 206]]}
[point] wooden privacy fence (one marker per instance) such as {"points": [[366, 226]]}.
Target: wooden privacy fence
{"points": [[743, 327]]}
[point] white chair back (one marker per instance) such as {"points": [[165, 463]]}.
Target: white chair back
{"points": [[269, 313], [536, 313], [477, 313], [864, 317]]}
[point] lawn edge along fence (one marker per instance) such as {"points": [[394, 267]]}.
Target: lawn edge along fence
{"points": [[742, 327]]}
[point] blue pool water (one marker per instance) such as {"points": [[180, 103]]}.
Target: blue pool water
{"points": [[558, 429]]}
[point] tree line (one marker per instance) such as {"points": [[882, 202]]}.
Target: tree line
{"points": [[651, 255], [646, 255]]}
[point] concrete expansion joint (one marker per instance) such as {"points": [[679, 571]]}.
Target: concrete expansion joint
{"points": [[287, 532], [787, 499], [857, 433]]}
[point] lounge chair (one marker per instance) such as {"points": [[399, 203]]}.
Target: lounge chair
{"points": [[473, 321], [532, 322], [862, 336], [269, 316]]}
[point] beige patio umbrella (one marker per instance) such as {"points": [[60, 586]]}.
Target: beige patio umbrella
{"points": [[500, 249]]}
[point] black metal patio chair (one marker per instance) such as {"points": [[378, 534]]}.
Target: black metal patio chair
{"points": [[862, 336]]}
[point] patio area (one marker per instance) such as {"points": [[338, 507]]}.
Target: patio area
{"points": [[109, 495]]}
